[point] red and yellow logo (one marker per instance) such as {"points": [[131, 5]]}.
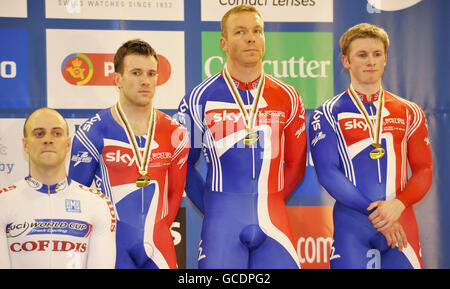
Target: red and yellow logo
{"points": [[98, 69]]}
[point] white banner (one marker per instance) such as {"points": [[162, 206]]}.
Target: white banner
{"points": [[274, 10], [94, 88], [165, 10], [16, 8]]}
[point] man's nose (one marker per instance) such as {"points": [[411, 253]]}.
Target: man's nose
{"points": [[48, 138], [146, 80], [251, 38], [371, 60]]}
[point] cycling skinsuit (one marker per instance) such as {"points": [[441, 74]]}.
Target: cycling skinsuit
{"points": [[341, 145], [245, 224], [64, 226], [101, 152]]}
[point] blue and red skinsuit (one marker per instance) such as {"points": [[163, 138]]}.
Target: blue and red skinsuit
{"points": [[245, 224], [340, 147], [102, 153]]}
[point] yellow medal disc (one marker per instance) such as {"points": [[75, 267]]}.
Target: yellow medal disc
{"points": [[142, 181], [251, 138], [377, 153]]}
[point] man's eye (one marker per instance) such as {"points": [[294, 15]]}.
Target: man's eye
{"points": [[39, 134]]}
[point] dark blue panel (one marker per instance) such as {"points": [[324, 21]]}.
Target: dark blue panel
{"points": [[14, 67]]}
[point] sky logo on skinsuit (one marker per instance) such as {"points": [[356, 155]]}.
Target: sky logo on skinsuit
{"points": [[308, 67], [98, 69]]}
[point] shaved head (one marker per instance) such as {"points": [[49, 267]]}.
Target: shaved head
{"points": [[42, 112]]}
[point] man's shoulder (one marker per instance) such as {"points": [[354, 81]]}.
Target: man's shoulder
{"points": [[167, 121], [401, 101], [207, 86], [96, 122], [336, 104], [90, 193], [6, 190], [395, 102], [99, 203], [274, 82]]}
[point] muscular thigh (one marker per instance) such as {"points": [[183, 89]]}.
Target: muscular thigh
{"points": [[352, 246], [271, 255], [220, 246]]}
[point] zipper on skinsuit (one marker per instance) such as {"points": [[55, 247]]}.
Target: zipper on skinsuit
{"points": [[378, 160], [51, 222], [142, 189], [253, 146]]}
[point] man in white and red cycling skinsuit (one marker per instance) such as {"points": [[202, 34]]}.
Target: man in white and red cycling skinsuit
{"points": [[136, 155], [251, 127], [362, 142], [46, 219]]}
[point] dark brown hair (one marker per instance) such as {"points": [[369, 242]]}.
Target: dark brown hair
{"points": [[135, 46]]}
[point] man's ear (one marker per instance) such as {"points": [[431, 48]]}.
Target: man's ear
{"points": [[25, 145], [118, 79], [223, 44], [69, 143], [345, 62]]}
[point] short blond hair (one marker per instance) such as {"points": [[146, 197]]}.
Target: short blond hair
{"points": [[363, 30], [235, 10]]}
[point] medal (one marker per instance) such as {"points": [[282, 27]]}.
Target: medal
{"points": [[251, 136], [141, 161], [377, 153], [143, 181], [374, 132]]}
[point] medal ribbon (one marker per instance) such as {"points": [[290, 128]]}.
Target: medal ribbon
{"points": [[374, 132], [248, 119], [141, 161]]}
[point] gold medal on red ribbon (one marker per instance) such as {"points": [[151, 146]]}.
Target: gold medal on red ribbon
{"points": [[251, 136], [375, 133], [141, 161]]}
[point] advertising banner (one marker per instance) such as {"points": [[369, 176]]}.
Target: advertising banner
{"points": [[14, 78], [80, 68], [274, 10], [15, 9], [167, 10]]}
